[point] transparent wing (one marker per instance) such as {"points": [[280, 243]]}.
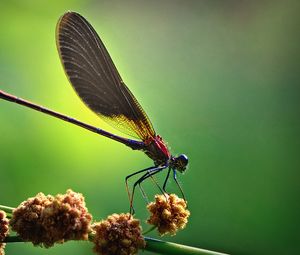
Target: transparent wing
{"points": [[95, 78]]}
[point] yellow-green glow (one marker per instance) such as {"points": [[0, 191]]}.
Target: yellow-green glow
{"points": [[218, 79]]}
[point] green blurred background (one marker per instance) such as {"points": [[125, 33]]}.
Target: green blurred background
{"points": [[220, 82]]}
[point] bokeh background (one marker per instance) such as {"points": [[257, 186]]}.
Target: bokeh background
{"points": [[220, 82]]}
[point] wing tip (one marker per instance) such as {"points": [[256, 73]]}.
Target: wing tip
{"points": [[67, 16], [63, 19]]}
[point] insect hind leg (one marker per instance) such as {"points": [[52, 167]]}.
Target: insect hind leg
{"points": [[150, 173], [179, 186], [133, 174], [146, 176], [130, 196]]}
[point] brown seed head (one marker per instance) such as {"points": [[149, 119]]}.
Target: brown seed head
{"points": [[3, 230], [67, 218], [46, 220], [26, 220], [168, 213], [119, 234]]}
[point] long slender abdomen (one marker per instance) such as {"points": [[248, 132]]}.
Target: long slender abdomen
{"points": [[136, 145]]}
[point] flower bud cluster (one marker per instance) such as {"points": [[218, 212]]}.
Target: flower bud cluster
{"points": [[119, 234], [46, 220], [168, 213]]}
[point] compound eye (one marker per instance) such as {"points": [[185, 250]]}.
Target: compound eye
{"points": [[182, 161]]}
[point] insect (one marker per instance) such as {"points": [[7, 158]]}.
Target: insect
{"points": [[98, 83]]}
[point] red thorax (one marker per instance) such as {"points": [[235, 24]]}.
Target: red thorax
{"points": [[157, 150]]}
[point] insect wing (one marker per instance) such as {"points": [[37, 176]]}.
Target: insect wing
{"points": [[95, 78]]}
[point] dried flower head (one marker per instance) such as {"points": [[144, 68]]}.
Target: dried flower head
{"points": [[119, 234], [67, 218], [168, 213], [26, 220], [3, 230], [46, 220]]}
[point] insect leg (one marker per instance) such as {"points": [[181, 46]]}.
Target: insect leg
{"points": [[150, 172], [155, 182], [165, 183], [135, 173], [175, 178]]}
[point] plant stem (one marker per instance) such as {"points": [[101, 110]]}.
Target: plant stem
{"points": [[153, 245], [6, 209], [163, 247]]}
